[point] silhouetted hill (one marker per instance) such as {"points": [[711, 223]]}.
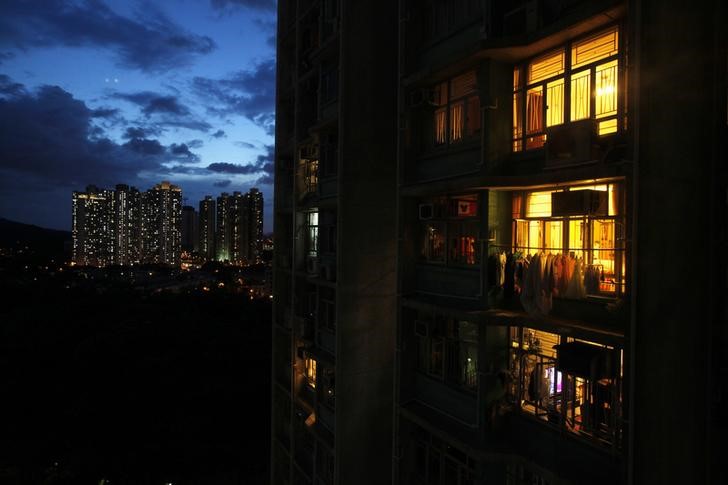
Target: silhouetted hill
{"points": [[42, 241]]}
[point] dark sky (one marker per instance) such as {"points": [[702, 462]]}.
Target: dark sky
{"points": [[120, 91]]}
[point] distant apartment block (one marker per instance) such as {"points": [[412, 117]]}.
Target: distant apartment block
{"points": [[124, 226], [206, 230], [239, 226]]}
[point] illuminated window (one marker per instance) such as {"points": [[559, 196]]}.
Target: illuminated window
{"points": [[594, 236], [310, 366], [450, 229], [457, 112], [311, 232], [569, 383], [591, 78]]}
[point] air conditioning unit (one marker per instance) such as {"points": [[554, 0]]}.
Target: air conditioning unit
{"points": [[579, 203], [426, 211], [569, 143], [312, 265], [422, 328]]}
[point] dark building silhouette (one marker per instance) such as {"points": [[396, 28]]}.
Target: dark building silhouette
{"points": [[190, 229], [223, 228], [239, 227], [207, 228], [552, 313], [335, 242]]}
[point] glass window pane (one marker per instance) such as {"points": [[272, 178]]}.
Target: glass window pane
{"points": [[580, 95], [607, 127], [457, 121], [517, 122], [538, 204], [546, 66], [534, 110], [599, 46], [555, 102], [462, 85], [440, 126], [606, 89]]}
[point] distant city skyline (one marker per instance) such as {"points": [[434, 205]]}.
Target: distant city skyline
{"points": [[125, 92], [126, 226]]}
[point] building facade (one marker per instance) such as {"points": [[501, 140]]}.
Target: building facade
{"points": [[239, 227], [255, 225], [126, 225], [190, 229], [559, 164], [207, 228], [91, 227], [162, 224], [538, 174], [334, 238]]}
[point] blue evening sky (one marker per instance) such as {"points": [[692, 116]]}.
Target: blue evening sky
{"points": [[108, 91]]}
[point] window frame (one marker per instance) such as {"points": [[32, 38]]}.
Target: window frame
{"points": [[524, 141], [445, 332], [471, 126], [562, 414], [454, 230]]}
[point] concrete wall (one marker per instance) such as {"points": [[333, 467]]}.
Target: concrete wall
{"points": [[366, 297], [673, 104]]}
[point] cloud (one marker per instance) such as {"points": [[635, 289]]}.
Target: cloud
{"points": [[269, 5], [234, 168], [135, 132], [145, 146], [105, 113], [182, 153], [10, 88], [249, 93], [267, 179], [244, 144], [164, 110], [148, 41], [50, 136], [151, 103], [219, 134], [262, 164], [223, 183], [196, 143]]}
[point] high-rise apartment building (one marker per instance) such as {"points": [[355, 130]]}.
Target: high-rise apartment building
{"points": [[560, 240], [335, 242], [239, 226], [255, 225], [207, 228], [91, 227], [126, 225], [161, 224], [190, 229], [223, 228]]}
